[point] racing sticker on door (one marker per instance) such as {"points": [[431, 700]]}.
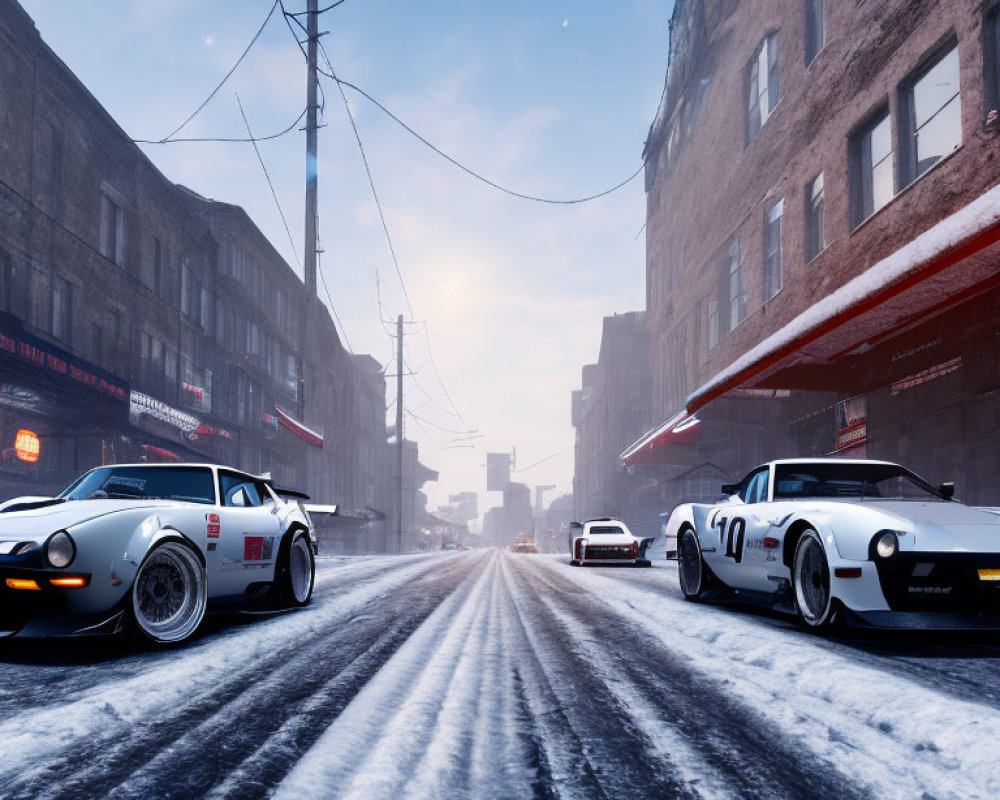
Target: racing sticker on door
{"points": [[258, 548]]}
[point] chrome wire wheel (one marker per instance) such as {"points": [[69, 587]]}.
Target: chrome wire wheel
{"points": [[690, 569], [169, 593], [811, 577], [300, 569]]}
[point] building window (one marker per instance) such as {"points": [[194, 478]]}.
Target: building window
{"points": [[871, 168], [815, 222], [991, 59], [737, 305], [62, 309], [815, 28], [772, 250], [931, 116], [762, 95], [111, 230], [713, 323], [157, 267]]}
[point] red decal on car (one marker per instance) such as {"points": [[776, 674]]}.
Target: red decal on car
{"points": [[253, 548]]}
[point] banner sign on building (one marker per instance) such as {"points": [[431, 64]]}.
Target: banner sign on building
{"points": [[142, 405], [306, 434], [852, 423], [53, 362]]}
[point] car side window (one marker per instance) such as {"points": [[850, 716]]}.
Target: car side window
{"points": [[237, 491], [265, 496], [754, 490]]}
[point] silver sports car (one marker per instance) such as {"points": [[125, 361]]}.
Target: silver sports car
{"points": [[150, 547], [865, 540]]}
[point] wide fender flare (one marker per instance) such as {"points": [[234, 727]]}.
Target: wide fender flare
{"points": [[837, 546], [147, 535]]}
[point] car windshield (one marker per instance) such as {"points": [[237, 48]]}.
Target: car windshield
{"points": [[606, 529], [881, 481], [189, 484]]}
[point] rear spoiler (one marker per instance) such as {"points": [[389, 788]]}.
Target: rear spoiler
{"points": [[315, 508], [290, 493]]}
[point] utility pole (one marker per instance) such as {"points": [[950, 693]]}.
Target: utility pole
{"points": [[399, 434], [312, 28]]}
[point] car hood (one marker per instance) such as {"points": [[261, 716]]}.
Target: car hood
{"points": [[940, 527], [38, 523]]}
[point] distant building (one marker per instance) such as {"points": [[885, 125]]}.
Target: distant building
{"points": [[823, 247], [140, 321], [610, 411]]}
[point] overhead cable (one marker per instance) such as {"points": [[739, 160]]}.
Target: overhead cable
{"points": [[226, 139], [228, 74]]}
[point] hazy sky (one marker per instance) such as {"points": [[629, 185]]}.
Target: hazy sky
{"points": [[547, 97]]}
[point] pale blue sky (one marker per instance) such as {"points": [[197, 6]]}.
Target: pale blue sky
{"points": [[548, 97]]}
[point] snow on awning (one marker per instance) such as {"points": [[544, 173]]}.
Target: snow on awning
{"points": [[306, 434], [957, 258], [653, 445]]}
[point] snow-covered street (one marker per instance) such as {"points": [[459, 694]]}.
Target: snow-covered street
{"points": [[491, 674]]}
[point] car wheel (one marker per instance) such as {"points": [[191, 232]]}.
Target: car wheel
{"points": [[811, 581], [296, 571], [169, 593], [691, 570]]}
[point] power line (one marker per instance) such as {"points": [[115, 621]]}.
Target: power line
{"points": [[371, 182], [547, 458], [222, 139], [472, 172], [228, 74]]}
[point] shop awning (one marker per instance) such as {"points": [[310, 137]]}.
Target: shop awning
{"points": [[653, 446], [306, 434], [955, 260]]}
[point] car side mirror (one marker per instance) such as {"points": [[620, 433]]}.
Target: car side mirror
{"points": [[729, 489], [947, 490]]}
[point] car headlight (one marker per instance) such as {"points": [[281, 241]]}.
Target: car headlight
{"points": [[60, 550], [886, 544]]}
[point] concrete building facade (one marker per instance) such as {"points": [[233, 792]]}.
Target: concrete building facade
{"points": [[821, 237], [142, 321]]}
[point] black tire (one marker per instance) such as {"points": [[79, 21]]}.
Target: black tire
{"points": [[692, 573], [574, 563], [811, 582], [169, 594], [295, 573]]}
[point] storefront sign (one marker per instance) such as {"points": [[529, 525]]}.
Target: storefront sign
{"points": [[306, 434], [269, 420], [27, 446], [937, 371], [142, 405], [58, 363], [852, 422]]}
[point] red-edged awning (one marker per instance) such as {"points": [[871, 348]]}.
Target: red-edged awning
{"points": [[955, 260], [653, 447], [166, 455], [306, 434]]}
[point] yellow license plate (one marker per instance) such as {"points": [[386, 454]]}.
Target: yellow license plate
{"points": [[989, 574]]}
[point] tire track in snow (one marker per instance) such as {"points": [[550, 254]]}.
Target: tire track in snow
{"points": [[49, 673], [892, 734], [189, 741], [965, 664], [687, 717], [434, 722], [592, 745]]}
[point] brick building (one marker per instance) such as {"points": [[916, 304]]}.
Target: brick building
{"points": [[822, 228], [142, 321]]}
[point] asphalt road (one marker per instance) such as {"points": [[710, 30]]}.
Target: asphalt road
{"points": [[489, 674]]}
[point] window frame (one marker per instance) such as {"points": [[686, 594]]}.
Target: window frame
{"points": [[815, 29], [908, 164], [991, 58], [815, 235], [775, 253], [857, 177], [756, 118]]}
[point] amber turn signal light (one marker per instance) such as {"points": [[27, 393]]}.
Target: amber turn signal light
{"points": [[23, 583], [69, 582]]}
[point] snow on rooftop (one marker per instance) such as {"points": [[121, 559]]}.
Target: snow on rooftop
{"points": [[944, 236]]}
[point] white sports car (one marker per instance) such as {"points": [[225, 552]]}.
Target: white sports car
{"points": [[605, 541], [865, 540], [151, 547]]}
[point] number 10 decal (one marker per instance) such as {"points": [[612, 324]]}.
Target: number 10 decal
{"points": [[732, 537]]}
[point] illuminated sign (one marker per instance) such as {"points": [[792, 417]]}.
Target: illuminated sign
{"points": [[27, 446]]}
